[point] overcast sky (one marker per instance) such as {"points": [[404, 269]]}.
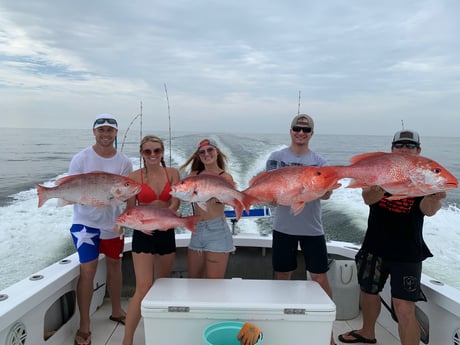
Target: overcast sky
{"points": [[361, 67]]}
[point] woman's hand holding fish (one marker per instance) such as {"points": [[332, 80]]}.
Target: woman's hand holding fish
{"points": [[120, 230]]}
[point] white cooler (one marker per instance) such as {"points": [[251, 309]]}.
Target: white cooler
{"points": [[177, 310]]}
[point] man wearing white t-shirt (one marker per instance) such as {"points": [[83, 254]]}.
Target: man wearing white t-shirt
{"points": [[93, 227]]}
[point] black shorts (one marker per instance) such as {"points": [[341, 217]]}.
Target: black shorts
{"points": [[160, 242], [285, 250], [373, 272]]}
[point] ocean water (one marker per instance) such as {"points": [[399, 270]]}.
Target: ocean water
{"points": [[31, 238]]}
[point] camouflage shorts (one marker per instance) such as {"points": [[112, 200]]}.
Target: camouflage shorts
{"points": [[373, 272]]}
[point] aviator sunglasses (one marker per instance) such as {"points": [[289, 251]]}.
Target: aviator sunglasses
{"points": [[208, 150], [297, 129], [148, 152], [408, 145], [102, 121]]}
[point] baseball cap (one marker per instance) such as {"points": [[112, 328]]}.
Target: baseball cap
{"points": [[206, 142], [105, 120], [302, 120], [407, 135]]}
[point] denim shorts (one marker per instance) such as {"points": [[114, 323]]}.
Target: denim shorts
{"points": [[212, 236]]}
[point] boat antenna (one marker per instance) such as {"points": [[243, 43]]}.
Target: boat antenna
{"points": [[169, 120], [298, 106], [402, 124]]}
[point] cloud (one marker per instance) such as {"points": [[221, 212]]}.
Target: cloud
{"points": [[225, 64]]}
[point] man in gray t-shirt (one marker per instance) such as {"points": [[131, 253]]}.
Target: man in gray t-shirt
{"points": [[306, 227]]}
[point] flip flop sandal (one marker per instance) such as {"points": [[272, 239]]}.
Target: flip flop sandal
{"points": [[358, 338], [120, 319], [82, 338]]}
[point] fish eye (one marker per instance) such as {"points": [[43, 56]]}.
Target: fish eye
{"points": [[437, 170]]}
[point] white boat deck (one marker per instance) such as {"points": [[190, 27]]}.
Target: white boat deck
{"points": [[106, 332]]}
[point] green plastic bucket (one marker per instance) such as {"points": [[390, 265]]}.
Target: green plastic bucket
{"points": [[223, 333]]}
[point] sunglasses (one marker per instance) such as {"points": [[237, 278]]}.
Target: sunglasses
{"points": [[208, 150], [297, 129], [148, 152], [102, 121], [408, 145]]}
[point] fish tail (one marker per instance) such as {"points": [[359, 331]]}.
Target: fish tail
{"points": [[190, 223], [340, 171], [352, 173], [239, 207], [297, 207], [42, 195], [248, 201]]}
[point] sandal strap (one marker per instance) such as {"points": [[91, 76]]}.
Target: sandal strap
{"points": [[82, 338]]}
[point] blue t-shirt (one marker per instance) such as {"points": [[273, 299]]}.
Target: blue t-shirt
{"points": [[308, 221]]}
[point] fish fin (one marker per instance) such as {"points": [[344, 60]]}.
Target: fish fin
{"points": [[88, 200], [64, 179], [62, 202], [41, 193], [202, 205], [397, 197], [356, 184], [336, 185], [362, 156], [259, 176], [146, 220], [249, 200], [238, 208], [297, 207]]}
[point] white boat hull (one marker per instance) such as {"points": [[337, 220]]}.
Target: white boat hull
{"points": [[33, 309]]}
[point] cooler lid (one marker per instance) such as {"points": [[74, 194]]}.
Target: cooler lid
{"points": [[289, 296]]}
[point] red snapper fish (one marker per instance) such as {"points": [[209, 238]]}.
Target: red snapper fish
{"points": [[401, 175], [201, 188], [98, 189], [292, 185], [148, 218]]}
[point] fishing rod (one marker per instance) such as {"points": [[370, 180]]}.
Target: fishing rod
{"points": [[140, 131], [169, 120], [298, 106]]}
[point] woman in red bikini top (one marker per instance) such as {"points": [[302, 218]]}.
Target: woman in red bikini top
{"points": [[153, 252], [155, 178]]}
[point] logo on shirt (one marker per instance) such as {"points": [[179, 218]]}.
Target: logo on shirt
{"points": [[398, 206]]}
